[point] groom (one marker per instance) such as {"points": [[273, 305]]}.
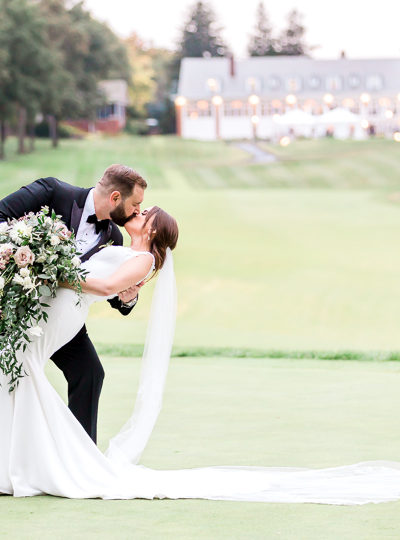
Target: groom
{"points": [[93, 214]]}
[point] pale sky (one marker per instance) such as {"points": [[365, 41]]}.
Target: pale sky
{"points": [[364, 29]]}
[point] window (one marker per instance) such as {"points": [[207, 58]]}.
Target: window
{"points": [[274, 82], [293, 84], [236, 108], [213, 85], [253, 84], [105, 112], [199, 109], [314, 82], [334, 83], [374, 82], [265, 108], [354, 80]]}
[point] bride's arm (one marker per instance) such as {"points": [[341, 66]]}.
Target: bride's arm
{"points": [[129, 273]]}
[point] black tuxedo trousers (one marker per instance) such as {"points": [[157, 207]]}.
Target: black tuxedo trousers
{"points": [[77, 359]]}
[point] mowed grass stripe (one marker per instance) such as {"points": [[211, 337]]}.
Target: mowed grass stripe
{"points": [[386, 167], [176, 179], [240, 177], [211, 179]]}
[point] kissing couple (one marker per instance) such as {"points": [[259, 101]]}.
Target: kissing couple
{"points": [[49, 448]]}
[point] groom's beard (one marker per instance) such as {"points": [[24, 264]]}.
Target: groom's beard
{"points": [[119, 217]]}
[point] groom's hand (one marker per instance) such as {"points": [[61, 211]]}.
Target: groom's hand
{"points": [[130, 294]]}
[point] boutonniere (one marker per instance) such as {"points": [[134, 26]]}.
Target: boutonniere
{"points": [[109, 243]]}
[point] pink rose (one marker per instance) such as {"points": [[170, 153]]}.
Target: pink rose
{"points": [[6, 251], [24, 256], [62, 231]]}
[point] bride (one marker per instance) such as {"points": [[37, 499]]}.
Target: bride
{"points": [[45, 450]]}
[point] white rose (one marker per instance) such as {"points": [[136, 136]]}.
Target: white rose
{"points": [[48, 221], [41, 258], [19, 231], [24, 272], [54, 240], [2, 283], [28, 283], [75, 261], [35, 331], [3, 227], [18, 279]]}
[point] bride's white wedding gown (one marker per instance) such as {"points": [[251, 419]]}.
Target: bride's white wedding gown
{"points": [[44, 449]]}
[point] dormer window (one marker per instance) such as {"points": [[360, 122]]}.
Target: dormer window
{"points": [[253, 85], [314, 82], [213, 85], [334, 83], [354, 80], [374, 82], [274, 82], [293, 84]]}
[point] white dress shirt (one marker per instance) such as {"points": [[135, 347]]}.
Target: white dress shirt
{"points": [[86, 237]]}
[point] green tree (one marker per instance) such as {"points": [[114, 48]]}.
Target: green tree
{"points": [[262, 42], [292, 39], [52, 56], [201, 36], [26, 63], [143, 75], [4, 81], [85, 52]]}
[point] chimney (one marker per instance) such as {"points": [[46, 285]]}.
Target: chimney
{"points": [[232, 65]]}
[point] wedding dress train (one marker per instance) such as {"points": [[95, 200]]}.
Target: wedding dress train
{"points": [[44, 449]]}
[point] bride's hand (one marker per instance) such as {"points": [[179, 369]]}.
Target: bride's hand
{"points": [[130, 293], [65, 285]]}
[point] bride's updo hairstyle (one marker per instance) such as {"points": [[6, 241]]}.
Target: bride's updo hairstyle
{"points": [[165, 236]]}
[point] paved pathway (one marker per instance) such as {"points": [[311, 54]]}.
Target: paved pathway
{"points": [[258, 155]]}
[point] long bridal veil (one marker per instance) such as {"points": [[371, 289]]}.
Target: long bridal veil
{"points": [[130, 442], [360, 483]]}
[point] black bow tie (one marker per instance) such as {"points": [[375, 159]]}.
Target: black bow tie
{"points": [[100, 225]]}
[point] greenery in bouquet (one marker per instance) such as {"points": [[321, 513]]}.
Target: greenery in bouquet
{"points": [[37, 251]]}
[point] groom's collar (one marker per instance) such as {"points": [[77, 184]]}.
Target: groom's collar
{"points": [[78, 206]]}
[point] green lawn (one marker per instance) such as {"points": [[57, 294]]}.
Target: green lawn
{"points": [[310, 268], [169, 162], [220, 411], [300, 255]]}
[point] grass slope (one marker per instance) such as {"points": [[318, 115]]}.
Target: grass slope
{"points": [[287, 269]]}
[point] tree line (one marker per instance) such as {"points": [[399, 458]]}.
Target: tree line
{"points": [[202, 36], [52, 57], [53, 53]]}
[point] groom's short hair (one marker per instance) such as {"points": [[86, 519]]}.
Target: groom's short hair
{"points": [[123, 179]]}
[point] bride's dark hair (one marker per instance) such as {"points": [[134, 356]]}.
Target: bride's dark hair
{"points": [[166, 234]]}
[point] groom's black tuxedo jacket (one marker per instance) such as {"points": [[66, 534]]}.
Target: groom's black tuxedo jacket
{"points": [[67, 201]]}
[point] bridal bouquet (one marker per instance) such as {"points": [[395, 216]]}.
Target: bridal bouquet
{"points": [[37, 251]]}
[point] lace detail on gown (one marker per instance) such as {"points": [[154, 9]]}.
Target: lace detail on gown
{"points": [[44, 449]]}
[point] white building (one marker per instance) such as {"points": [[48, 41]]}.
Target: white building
{"points": [[228, 99]]}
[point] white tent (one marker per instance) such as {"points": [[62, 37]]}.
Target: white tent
{"points": [[339, 116], [342, 123], [297, 121]]}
